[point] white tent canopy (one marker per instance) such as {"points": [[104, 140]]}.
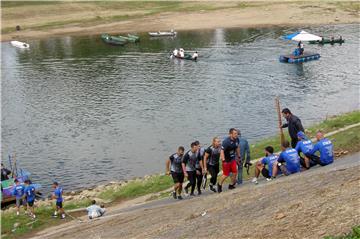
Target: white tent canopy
{"points": [[303, 36]]}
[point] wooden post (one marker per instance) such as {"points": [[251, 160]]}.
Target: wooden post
{"points": [[277, 106]]}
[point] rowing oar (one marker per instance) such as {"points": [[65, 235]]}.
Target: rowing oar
{"points": [[277, 106]]}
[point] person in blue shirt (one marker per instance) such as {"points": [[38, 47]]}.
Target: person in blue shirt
{"points": [[57, 194], [244, 156], [269, 161], [30, 197], [19, 193], [325, 147], [304, 146], [174, 167], [290, 158]]}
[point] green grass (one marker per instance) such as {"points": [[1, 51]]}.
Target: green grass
{"points": [[354, 234], [42, 221], [138, 188]]}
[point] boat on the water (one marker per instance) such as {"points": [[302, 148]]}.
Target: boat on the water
{"points": [[7, 186], [328, 41], [19, 44], [187, 56], [299, 59], [113, 40], [130, 38], [162, 34]]}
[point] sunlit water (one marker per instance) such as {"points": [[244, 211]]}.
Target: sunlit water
{"points": [[82, 112]]}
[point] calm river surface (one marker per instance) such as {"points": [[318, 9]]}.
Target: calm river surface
{"points": [[82, 112]]}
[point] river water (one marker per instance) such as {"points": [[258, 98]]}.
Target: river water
{"points": [[82, 112]]}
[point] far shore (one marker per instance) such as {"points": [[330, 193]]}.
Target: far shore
{"points": [[90, 18]]}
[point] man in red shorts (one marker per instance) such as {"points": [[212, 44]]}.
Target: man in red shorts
{"points": [[230, 157]]}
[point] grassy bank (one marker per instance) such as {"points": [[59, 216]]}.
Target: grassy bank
{"points": [[348, 140], [354, 234]]}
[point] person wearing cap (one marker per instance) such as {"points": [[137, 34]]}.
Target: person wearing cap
{"points": [[19, 193], [244, 157], [325, 147], [30, 197], [293, 124], [304, 146], [57, 194]]}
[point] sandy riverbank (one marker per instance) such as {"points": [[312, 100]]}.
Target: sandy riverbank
{"points": [[86, 18]]}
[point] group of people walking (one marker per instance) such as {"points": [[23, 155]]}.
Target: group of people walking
{"points": [[234, 154]]}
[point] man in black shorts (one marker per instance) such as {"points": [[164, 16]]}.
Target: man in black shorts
{"points": [[189, 167], [174, 164]]}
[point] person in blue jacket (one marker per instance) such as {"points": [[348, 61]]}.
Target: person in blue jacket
{"points": [[19, 193], [30, 197], [244, 157], [304, 146], [325, 147], [57, 194], [288, 161]]}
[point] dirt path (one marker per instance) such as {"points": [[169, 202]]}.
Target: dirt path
{"points": [[322, 201], [87, 19]]}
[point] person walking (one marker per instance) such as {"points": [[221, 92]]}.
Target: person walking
{"points": [[30, 197], [19, 193], [293, 124], [174, 167], [244, 157], [199, 166], [57, 194], [211, 162], [230, 157], [189, 168]]}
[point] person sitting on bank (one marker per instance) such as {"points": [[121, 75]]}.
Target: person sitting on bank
{"points": [[304, 146], [260, 166], [4, 173], [94, 210], [325, 147], [288, 161]]}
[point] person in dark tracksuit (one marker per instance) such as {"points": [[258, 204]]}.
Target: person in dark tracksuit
{"points": [[199, 166], [189, 167], [212, 162], [174, 167], [293, 124]]}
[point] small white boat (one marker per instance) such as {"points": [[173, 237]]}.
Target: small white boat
{"points": [[19, 44], [162, 34]]}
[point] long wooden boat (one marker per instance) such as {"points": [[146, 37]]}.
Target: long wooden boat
{"points": [[186, 57], [328, 41], [162, 34], [113, 40]]}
